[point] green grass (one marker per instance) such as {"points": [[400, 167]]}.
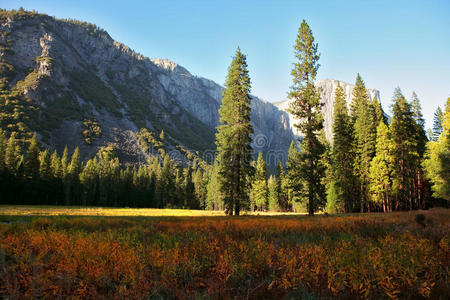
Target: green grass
{"points": [[48, 210]]}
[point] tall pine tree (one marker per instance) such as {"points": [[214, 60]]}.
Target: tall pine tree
{"points": [[437, 160], [364, 128], [32, 159], [438, 119], [233, 137], [421, 138], [405, 157], [342, 154], [306, 107], [380, 180]]}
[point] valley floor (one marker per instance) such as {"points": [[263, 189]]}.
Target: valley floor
{"points": [[60, 252], [49, 210]]}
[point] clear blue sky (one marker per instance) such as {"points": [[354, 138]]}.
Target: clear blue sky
{"points": [[390, 43]]}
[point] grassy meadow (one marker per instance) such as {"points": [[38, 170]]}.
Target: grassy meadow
{"points": [[48, 210], [95, 253]]}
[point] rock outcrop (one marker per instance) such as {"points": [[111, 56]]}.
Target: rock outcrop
{"points": [[327, 88]]}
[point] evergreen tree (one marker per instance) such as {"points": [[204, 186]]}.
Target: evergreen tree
{"points": [[437, 124], [274, 187], [189, 190], [156, 181], [283, 198], [342, 155], [379, 112], [45, 170], [306, 107], [405, 158], [3, 145], [233, 137], [380, 181], [74, 169], [259, 191], [12, 155], [166, 182], [421, 138], [32, 159], [417, 110], [364, 128], [89, 178], [46, 176], [64, 164], [292, 181], [56, 165], [437, 160], [199, 179], [359, 97], [214, 196]]}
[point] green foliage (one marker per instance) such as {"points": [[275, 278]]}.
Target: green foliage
{"points": [[61, 109], [214, 196], [359, 95], [343, 187], [148, 139], [13, 156], [306, 107], [259, 191], [380, 180], [364, 128], [274, 187], [91, 131], [19, 14], [437, 160], [92, 89], [404, 151], [45, 168], [185, 128], [32, 159], [3, 145], [233, 137], [437, 124]]}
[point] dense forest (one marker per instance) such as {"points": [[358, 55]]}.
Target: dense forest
{"points": [[374, 162]]}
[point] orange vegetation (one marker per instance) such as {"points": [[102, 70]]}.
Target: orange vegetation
{"points": [[362, 256]]}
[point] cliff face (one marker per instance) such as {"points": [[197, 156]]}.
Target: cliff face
{"points": [[328, 88], [75, 72]]}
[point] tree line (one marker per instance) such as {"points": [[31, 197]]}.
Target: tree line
{"points": [[373, 163], [36, 176]]}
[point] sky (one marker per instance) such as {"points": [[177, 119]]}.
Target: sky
{"points": [[390, 43]]}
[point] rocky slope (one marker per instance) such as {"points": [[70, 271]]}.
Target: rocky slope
{"points": [[76, 74]]}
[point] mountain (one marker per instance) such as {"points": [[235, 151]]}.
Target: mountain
{"points": [[70, 82], [81, 82], [327, 91]]}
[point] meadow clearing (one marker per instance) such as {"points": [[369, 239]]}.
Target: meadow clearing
{"points": [[48, 252]]}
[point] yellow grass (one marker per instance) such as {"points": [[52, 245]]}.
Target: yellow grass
{"points": [[43, 210]]}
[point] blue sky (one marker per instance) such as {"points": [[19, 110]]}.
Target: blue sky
{"points": [[390, 43]]}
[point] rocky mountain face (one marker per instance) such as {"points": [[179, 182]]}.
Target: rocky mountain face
{"points": [[90, 91], [77, 75], [327, 91]]}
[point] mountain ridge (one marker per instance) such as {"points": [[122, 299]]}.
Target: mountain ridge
{"points": [[75, 74]]}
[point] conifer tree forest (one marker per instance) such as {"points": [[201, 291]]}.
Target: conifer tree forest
{"points": [[377, 161]]}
